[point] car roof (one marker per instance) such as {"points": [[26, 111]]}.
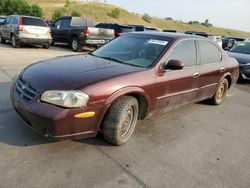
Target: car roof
{"points": [[26, 16], [167, 35]]}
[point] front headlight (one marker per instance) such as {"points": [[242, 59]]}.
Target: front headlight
{"points": [[69, 99]]}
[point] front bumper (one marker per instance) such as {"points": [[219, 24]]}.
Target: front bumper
{"points": [[245, 71], [55, 122]]}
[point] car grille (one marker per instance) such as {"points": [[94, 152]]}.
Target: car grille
{"points": [[24, 91]]}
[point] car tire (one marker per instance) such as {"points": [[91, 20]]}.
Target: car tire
{"points": [[14, 43], [46, 46], [220, 94], [3, 41], [120, 121], [76, 45]]}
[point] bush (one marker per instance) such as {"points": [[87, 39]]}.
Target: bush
{"points": [[58, 13], [146, 18], [75, 13], [168, 18], [115, 13], [35, 10], [8, 7]]}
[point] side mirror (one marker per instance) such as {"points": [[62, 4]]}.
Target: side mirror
{"points": [[173, 65]]}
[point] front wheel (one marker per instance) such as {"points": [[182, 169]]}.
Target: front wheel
{"points": [[120, 120], [220, 94], [76, 45]]}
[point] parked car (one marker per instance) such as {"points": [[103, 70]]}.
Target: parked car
{"points": [[25, 30], [2, 19], [79, 32], [132, 77], [203, 34], [241, 52], [150, 29], [228, 42], [138, 28], [170, 30], [119, 29], [217, 39]]}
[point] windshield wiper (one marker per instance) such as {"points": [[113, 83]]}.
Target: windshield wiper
{"points": [[112, 59]]}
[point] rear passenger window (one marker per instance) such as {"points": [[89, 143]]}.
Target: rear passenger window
{"points": [[185, 51], [209, 52], [15, 21]]}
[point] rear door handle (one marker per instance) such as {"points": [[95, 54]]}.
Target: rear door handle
{"points": [[196, 75], [222, 69]]}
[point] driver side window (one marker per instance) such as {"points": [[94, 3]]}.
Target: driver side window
{"points": [[58, 24], [184, 51]]}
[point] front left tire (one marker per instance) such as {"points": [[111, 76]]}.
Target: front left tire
{"points": [[120, 121]]}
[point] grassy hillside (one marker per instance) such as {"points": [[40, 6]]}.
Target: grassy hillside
{"points": [[99, 12]]}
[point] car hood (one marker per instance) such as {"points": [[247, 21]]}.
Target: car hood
{"points": [[241, 58], [72, 72]]}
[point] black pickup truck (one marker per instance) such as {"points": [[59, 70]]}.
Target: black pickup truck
{"points": [[79, 32]]}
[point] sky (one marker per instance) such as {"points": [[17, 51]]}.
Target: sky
{"points": [[232, 14]]}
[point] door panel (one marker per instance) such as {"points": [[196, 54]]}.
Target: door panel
{"points": [[211, 68], [177, 88]]}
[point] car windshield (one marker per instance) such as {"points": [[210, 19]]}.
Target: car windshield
{"points": [[241, 47], [135, 50]]}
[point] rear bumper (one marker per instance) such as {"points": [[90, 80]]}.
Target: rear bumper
{"points": [[55, 122], [39, 41]]}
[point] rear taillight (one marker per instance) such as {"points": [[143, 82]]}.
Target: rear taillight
{"points": [[46, 24], [20, 25], [117, 34], [86, 32]]}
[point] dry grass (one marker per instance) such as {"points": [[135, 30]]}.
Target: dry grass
{"points": [[99, 12]]}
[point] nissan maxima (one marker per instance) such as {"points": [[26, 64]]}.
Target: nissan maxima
{"points": [[133, 77]]}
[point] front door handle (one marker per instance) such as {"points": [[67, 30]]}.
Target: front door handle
{"points": [[222, 69], [196, 75]]}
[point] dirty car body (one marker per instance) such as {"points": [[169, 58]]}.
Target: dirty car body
{"points": [[135, 64]]}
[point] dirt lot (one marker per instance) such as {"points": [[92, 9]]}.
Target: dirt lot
{"points": [[196, 146]]}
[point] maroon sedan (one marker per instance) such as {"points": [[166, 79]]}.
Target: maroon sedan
{"points": [[133, 77]]}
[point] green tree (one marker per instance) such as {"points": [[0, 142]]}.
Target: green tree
{"points": [[58, 13], [35, 10], [115, 13], [9, 7]]}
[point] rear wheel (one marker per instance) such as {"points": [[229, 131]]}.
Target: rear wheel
{"points": [[2, 40], [76, 45], [14, 42], [120, 120], [220, 93]]}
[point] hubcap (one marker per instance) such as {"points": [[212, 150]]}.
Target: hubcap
{"points": [[13, 41], [221, 93], [74, 44], [127, 123]]}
